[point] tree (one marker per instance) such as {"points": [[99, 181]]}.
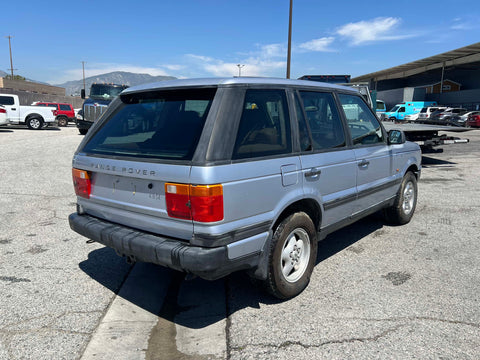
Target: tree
{"points": [[15, 77]]}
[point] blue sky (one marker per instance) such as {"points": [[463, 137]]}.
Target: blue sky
{"points": [[208, 38]]}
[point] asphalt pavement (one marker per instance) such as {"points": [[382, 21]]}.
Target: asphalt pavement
{"points": [[377, 291]]}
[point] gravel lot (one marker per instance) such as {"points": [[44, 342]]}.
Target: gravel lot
{"points": [[377, 291]]}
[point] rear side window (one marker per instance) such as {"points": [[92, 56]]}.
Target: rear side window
{"points": [[363, 124], [163, 125], [65, 107], [6, 100], [325, 125], [264, 128]]}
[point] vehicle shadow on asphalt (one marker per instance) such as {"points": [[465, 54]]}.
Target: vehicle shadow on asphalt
{"points": [[24, 127], [241, 292], [429, 161], [106, 267], [197, 303]]}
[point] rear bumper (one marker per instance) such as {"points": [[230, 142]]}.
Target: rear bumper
{"points": [[208, 263]]}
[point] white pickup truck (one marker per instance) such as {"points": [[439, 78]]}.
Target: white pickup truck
{"points": [[35, 117]]}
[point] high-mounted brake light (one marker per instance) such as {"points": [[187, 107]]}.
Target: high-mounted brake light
{"points": [[82, 183], [203, 203]]}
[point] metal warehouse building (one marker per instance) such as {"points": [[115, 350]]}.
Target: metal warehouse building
{"points": [[451, 78]]}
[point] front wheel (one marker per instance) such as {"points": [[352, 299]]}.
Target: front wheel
{"points": [[35, 123], [402, 210], [83, 131], [292, 256]]}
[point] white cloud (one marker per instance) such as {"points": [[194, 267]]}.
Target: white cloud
{"points": [[378, 29], [272, 50], [250, 67], [265, 61], [321, 44]]}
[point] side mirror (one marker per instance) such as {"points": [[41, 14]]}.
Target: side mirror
{"points": [[396, 137], [82, 93]]}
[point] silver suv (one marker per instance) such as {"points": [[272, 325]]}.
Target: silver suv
{"points": [[214, 176]]}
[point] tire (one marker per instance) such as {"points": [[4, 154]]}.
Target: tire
{"points": [[62, 121], [83, 131], [292, 256], [35, 123], [402, 210]]}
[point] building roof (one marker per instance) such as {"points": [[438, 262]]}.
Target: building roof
{"points": [[464, 55]]}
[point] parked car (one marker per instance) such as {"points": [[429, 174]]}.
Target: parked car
{"points": [[462, 118], [449, 112], [219, 175], [448, 116], [426, 112], [3, 116], [412, 117], [473, 120], [65, 112], [34, 117]]}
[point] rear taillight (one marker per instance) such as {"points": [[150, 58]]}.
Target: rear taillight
{"points": [[3, 111], [203, 203], [55, 112], [82, 183]]}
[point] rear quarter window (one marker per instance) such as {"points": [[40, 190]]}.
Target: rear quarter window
{"points": [[66, 107], [162, 125], [264, 128]]}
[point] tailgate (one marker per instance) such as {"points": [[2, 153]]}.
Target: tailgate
{"points": [[133, 194]]}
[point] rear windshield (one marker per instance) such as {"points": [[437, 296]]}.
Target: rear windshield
{"points": [[162, 125]]}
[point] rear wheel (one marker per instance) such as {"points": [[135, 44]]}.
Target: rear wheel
{"points": [[292, 256], [62, 121], [35, 123], [402, 210]]}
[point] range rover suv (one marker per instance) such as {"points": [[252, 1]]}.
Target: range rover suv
{"points": [[214, 176]]}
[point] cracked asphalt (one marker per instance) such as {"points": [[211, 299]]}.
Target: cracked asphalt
{"points": [[377, 291]]}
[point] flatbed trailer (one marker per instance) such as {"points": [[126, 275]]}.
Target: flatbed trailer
{"points": [[427, 136]]}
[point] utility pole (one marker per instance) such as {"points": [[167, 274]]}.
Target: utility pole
{"points": [[83, 69], [240, 69], [10, 47], [289, 55]]}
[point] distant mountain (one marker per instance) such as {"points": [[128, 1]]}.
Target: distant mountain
{"points": [[117, 77]]}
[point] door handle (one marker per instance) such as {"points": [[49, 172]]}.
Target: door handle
{"points": [[363, 163], [314, 172]]}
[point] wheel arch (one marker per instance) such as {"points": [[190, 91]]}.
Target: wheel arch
{"points": [[34, 115], [309, 206], [414, 169]]}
